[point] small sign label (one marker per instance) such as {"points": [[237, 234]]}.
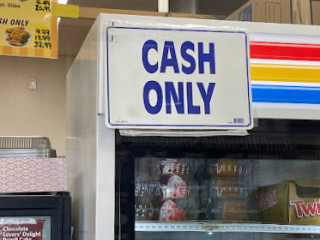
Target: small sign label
{"points": [[33, 228], [28, 28], [206, 227], [177, 79]]}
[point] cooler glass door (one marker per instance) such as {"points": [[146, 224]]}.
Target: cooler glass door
{"points": [[225, 187]]}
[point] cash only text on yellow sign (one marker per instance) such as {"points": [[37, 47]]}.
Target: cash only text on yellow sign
{"points": [[28, 28]]}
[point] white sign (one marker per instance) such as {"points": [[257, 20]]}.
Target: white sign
{"points": [[177, 79]]}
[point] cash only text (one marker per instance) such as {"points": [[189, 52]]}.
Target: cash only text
{"points": [[178, 95]]}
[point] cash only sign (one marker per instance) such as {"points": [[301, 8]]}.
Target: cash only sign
{"points": [[28, 28], [163, 78]]}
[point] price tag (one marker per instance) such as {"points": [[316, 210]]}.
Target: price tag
{"points": [[42, 38], [207, 227], [43, 6], [28, 28]]}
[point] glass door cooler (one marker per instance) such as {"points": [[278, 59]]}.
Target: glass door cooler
{"points": [[230, 150]]}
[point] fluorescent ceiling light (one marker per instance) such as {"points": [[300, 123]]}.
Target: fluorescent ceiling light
{"points": [[62, 1]]}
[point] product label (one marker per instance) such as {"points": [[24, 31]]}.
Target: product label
{"points": [[245, 14], [306, 209], [25, 228], [267, 200], [28, 28], [207, 227]]}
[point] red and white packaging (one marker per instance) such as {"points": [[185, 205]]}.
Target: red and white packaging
{"points": [[32, 175], [176, 188], [171, 212]]}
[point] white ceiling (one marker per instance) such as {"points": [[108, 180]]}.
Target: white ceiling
{"points": [[73, 31]]}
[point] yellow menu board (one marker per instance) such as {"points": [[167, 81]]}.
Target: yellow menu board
{"points": [[28, 28]]}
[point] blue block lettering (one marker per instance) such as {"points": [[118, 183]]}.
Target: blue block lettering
{"points": [[206, 57], [171, 93], [169, 62], [192, 109], [150, 44], [187, 57], [152, 85], [206, 96]]}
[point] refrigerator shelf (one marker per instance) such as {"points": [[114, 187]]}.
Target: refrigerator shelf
{"points": [[225, 227]]}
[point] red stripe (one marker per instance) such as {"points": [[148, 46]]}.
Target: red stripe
{"points": [[285, 51]]}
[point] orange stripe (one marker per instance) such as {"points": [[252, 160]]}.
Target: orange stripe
{"points": [[285, 73], [54, 39], [54, 34], [38, 52], [7, 50], [24, 51]]}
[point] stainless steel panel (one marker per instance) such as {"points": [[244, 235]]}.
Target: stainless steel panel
{"points": [[17, 142], [27, 153]]}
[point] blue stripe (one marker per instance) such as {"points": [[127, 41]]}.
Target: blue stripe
{"points": [[285, 94]]}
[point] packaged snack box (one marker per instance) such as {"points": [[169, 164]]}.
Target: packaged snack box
{"points": [[294, 202]]}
